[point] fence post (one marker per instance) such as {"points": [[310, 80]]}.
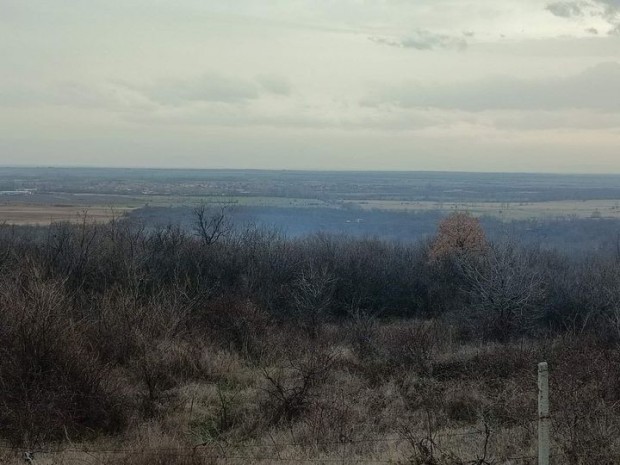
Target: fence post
{"points": [[543, 414]]}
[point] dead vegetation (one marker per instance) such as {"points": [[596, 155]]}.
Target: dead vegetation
{"points": [[120, 346]]}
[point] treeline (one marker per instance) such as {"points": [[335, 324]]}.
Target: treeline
{"points": [[530, 289]]}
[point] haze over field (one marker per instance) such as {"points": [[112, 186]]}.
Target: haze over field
{"points": [[474, 85]]}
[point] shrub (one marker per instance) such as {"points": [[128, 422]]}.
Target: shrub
{"points": [[413, 344], [52, 383], [238, 323], [291, 391]]}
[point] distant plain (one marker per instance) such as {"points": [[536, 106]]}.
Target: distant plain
{"points": [[65, 194]]}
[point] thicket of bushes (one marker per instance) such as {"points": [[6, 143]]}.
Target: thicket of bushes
{"points": [[100, 322], [341, 274]]}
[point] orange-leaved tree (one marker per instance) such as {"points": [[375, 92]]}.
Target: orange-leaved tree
{"points": [[458, 234]]}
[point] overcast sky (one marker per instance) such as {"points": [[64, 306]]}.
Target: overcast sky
{"points": [[474, 85]]}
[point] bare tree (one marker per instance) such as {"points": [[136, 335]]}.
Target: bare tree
{"points": [[212, 223], [313, 295], [597, 290], [506, 291]]}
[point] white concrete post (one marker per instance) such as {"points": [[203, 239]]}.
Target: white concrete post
{"points": [[543, 415]]}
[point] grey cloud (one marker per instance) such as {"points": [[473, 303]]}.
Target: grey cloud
{"points": [[609, 4], [606, 9], [208, 88], [385, 41], [80, 95], [64, 93], [592, 30], [565, 9], [121, 95], [214, 88], [595, 88], [583, 49], [570, 8], [274, 84], [612, 15], [550, 120], [17, 95], [424, 40], [236, 117]]}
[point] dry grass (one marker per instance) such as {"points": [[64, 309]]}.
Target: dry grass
{"points": [[27, 214], [230, 414], [416, 394]]}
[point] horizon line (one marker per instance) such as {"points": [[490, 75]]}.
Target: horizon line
{"points": [[300, 170]]}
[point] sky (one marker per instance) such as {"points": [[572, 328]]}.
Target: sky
{"points": [[448, 85]]}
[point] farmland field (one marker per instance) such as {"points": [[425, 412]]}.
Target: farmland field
{"points": [[44, 209], [65, 194], [24, 214], [506, 210]]}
